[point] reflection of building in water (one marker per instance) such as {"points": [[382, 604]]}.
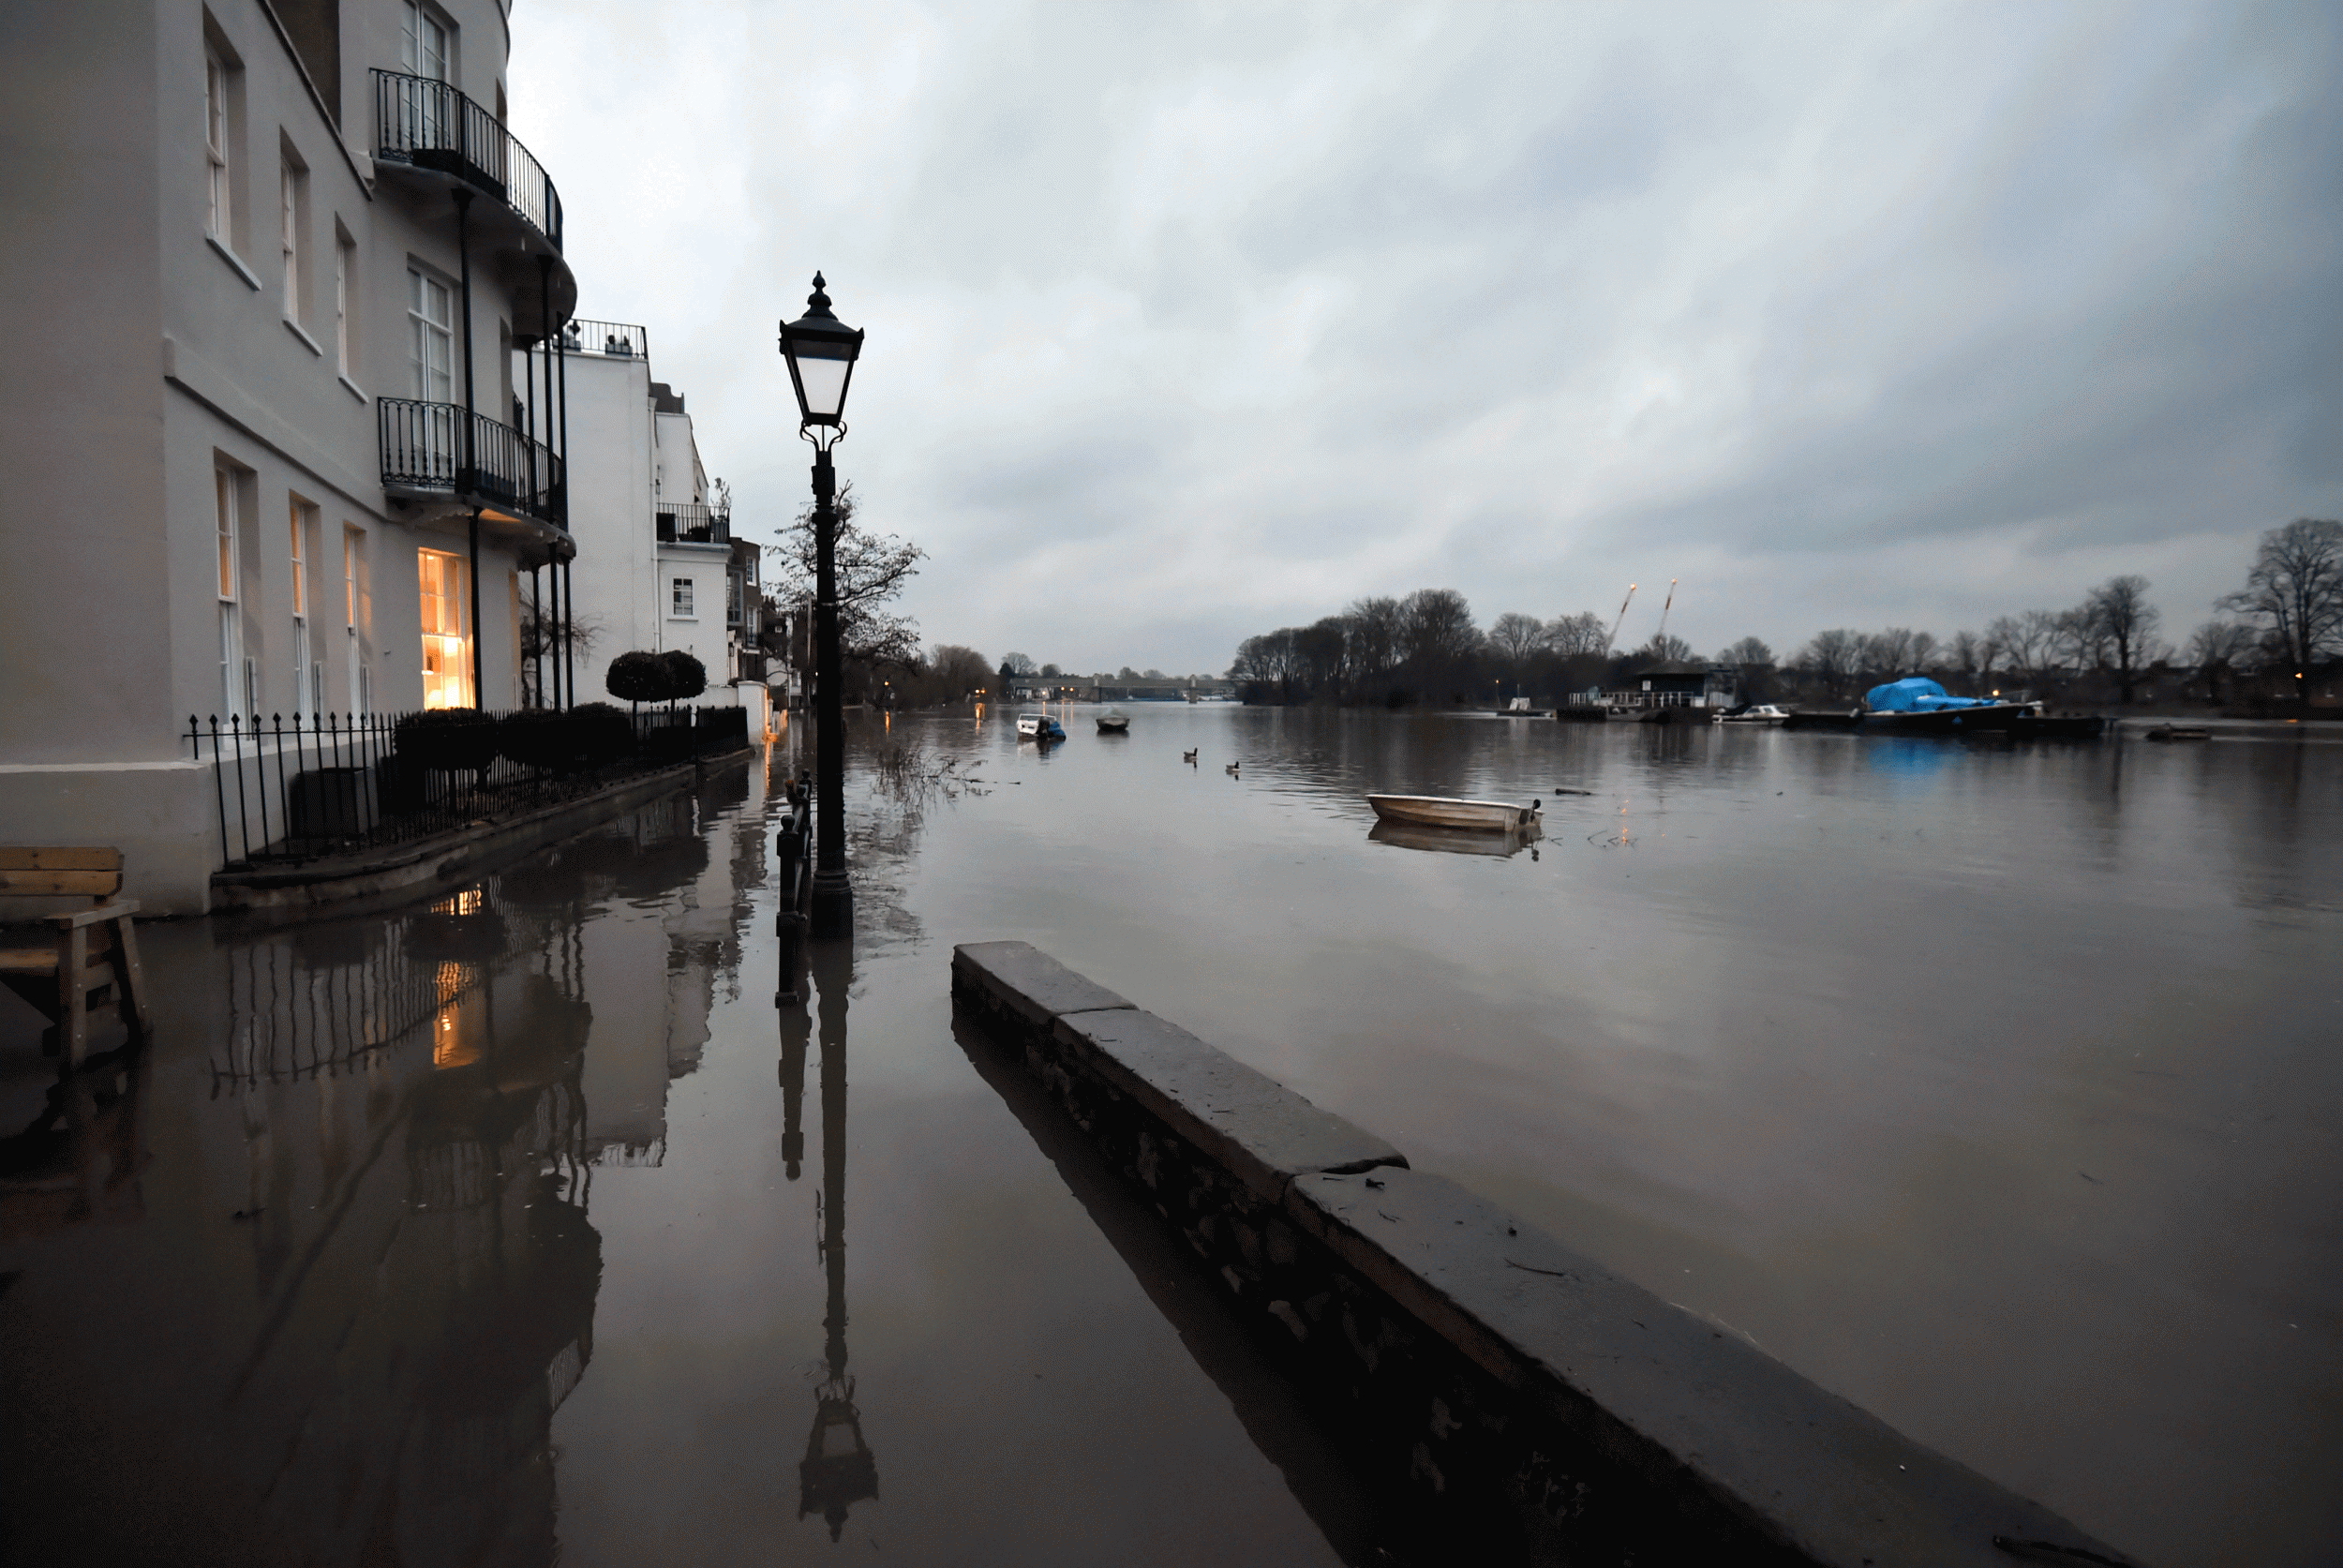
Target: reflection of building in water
{"points": [[839, 1469], [399, 1133]]}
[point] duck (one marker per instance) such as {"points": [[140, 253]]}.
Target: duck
{"points": [[1190, 756], [1233, 767]]}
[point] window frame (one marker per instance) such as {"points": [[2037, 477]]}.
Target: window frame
{"points": [[219, 217], [682, 593], [421, 330]]}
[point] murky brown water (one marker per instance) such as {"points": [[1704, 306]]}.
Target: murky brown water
{"points": [[1995, 1089]]}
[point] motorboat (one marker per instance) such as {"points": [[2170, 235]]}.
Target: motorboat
{"points": [[1444, 811], [1114, 721], [1039, 726], [1764, 714]]}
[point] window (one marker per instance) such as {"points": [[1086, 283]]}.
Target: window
{"points": [[232, 695], [345, 262], [293, 203], [680, 597], [422, 42], [431, 350], [308, 673], [446, 645], [732, 598], [215, 117], [353, 592]]}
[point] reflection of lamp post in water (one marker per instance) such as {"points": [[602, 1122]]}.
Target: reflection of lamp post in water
{"points": [[838, 1469]]}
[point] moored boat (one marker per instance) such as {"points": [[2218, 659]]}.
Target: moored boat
{"points": [[1919, 706], [1039, 726], [1114, 721], [1765, 714], [1444, 811], [2180, 732]]}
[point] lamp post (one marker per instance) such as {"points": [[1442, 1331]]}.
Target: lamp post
{"points": [[821, 351]]}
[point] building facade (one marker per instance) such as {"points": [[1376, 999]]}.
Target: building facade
{"points": [[277, 264], [658, 568]]}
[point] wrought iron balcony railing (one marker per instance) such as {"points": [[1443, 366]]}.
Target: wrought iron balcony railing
{"points": [[428, 123], [438, 448], [613, 339], [692, 523]]}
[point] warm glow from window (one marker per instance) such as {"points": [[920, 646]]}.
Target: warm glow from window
{"points": [[446, 647]]}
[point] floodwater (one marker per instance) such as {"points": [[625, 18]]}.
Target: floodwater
{"points": [[1995, 1089]]}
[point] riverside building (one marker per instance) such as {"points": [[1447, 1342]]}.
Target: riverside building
{"points": [[658, 566], [277, 443]]}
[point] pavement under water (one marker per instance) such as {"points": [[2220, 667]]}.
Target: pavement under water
{"points": [[1994, 1088]]}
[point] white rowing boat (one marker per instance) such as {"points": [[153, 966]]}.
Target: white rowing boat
{"points": [[1440, 810]]}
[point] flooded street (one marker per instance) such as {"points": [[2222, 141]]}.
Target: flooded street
{"points": [[1994, 1088]]}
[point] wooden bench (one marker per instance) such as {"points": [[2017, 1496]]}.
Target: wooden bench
{"points": [[73, 962]]}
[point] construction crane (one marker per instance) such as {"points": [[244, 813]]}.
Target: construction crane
{"points": [[1659, 639], [1622, 617]]}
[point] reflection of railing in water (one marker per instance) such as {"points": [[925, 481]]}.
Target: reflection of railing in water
{"points": [[295, 1013]]}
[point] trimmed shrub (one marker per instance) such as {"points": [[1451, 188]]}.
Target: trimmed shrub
{"points": [[640, 677], [538, 738], [604, 735], [687, 677], [448, 740]]}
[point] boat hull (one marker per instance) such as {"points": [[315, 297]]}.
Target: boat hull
{"points": [[1438, 811], [1949, 721]]}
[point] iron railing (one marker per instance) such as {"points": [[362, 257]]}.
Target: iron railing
{"points": [[426, 124], [303, 788], [441, 447], [612, 340], [691, 522]]}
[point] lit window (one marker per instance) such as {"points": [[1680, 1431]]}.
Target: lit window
{"points": [[446, 644], [681, 596]]}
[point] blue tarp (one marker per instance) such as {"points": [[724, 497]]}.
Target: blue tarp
{"points": [[1917, 694]]}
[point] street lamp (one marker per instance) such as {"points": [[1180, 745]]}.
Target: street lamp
{"points": [[821, 351]]}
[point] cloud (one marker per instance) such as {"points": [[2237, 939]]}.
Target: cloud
{"points": [[1190, 321]]}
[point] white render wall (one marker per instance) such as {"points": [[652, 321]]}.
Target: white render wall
{"points": [[143, 354]]}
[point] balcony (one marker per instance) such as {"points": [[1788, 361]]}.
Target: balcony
{"points": [[439, 450], [425, 123], [606, 340], [692, 523]]}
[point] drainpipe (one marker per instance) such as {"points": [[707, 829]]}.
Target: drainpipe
{"points": [[569, 603]]}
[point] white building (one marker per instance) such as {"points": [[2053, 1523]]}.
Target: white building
{"points": [[658, 567], [271, 260]]}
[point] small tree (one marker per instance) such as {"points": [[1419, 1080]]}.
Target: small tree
{"points": [[640, 677]]}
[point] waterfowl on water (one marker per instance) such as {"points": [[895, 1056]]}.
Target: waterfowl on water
{"points": [[1190, 756], [1234, 766]]}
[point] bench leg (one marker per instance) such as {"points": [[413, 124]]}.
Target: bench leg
{"points": [[133, 978], [72, 987]]}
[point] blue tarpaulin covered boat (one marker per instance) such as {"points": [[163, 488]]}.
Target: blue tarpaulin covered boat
{"points": [[1919, 706]]}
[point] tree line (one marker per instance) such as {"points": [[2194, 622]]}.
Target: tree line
{"points": [[2285, 621]]}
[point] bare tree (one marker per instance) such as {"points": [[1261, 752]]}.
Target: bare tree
{"points": [[1437, 636], [958, 670], [1667, 649], [871, 570], [1018, 664], [2124, 620], [2295, 585], [1833, 657], [1924, 654], [1572, 634], [1515, 637], [1968, 656], [1889, 652], [1747, 655], [1373, 631], [2218, 649], [2027, 642]]}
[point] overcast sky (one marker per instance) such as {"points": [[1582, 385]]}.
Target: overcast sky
{"points": [[1187, 322]]}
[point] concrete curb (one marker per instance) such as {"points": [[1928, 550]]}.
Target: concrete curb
{"points": [[1494, 1372], [444, 856]]}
